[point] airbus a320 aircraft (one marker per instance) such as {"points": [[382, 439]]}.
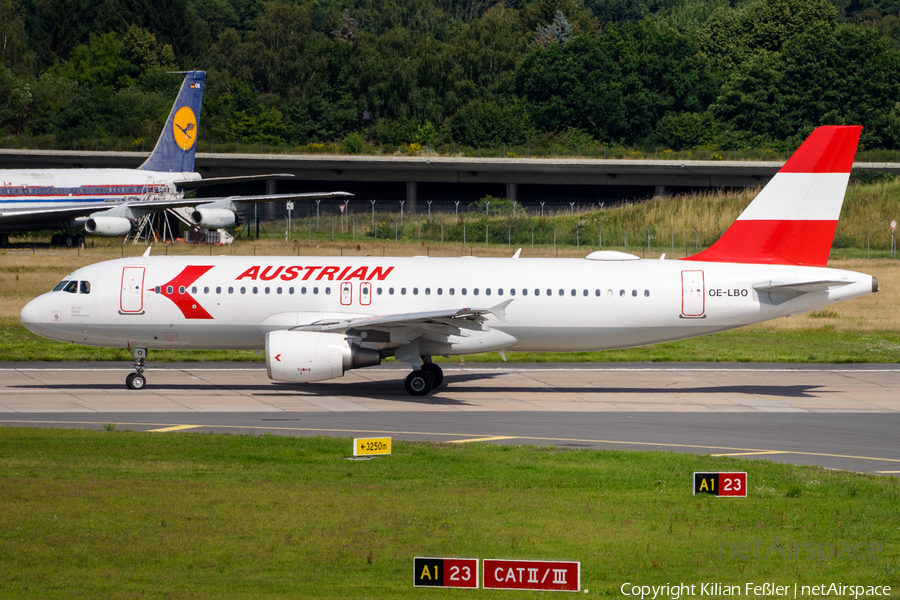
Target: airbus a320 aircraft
{"points": [[109, 202], [319, 317]]}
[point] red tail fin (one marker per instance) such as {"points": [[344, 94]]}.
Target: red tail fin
{"points": [[792, 220]]}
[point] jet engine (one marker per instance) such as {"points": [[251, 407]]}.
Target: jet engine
{"points": [[213, 218], [304, 356], [107, 226]]}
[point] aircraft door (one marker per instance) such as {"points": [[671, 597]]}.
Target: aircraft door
{"points": [[346, 293], [365, 293], [131, 298], [693, 295]]}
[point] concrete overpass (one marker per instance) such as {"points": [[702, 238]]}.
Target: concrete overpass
{"points": [[418, 179]]}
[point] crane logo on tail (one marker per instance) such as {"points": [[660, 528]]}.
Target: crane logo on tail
{"points": [[184, 127]]}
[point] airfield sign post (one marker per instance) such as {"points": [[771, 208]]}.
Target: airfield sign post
{"points": [[287, 234], [445, 572], [721, 484], [893, 244]]}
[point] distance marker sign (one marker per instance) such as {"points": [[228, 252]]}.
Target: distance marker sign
{"points": [[369, 446], [720, 484], [445, 572]]}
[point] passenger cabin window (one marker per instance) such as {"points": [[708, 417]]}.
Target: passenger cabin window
{"points": [[646, 293]]}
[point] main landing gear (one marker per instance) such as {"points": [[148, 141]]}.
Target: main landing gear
{"points": [[136, 380], [426, 378], [67, 240]]}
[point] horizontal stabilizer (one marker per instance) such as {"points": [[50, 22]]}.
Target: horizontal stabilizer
{"points": [[798, 288], [779, 292]]}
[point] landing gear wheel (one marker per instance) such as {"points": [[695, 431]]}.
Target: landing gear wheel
{"points": [[56, 239], [79, 241], [68, 240], [4, 240], [135, 381], [419, 383], [436, 371]]}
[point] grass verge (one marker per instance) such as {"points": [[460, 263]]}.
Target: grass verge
{"points": [[119, 514], [823, 345]]}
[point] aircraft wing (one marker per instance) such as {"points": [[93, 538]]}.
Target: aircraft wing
{"points": [[457, 318], [163, 204], [46, 217], [206, 181]]}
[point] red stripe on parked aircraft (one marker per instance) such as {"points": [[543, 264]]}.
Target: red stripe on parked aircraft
{"points": [[186, 303], [773, 243], [827, 150]]}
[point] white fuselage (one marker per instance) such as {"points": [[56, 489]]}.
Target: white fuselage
{"points": [[557, 304], [30, 189]]}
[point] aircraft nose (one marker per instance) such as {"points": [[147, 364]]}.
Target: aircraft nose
{"points": [[31, 315]]}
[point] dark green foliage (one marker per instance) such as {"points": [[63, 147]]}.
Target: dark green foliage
{"points": [[617, 85], [491, 124], [680, 73], [686, 130]]}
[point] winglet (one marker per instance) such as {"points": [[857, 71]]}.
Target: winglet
{"points": [[518, 252], [499, 310], [147, 253], [177, 144], [793, 219]]}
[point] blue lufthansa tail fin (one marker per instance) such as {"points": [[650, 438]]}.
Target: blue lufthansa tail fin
{"points": [[177, 145]]}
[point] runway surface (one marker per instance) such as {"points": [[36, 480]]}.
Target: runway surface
{"points": [[842, 417]]}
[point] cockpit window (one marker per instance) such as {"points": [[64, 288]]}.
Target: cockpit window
{"points": [[71, 287], [60, 285], [84, 287]]}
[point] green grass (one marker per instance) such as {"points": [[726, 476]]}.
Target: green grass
{"points": [[822, 345], [119, 514]]}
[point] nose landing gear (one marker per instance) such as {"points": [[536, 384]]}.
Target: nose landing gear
{"points": [[136, 380]]}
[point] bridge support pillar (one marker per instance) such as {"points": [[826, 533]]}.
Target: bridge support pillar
{"points": [[271, 207], [512, 192], [412, 193]]}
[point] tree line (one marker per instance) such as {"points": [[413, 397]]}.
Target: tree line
{"points": [[674, 73]]}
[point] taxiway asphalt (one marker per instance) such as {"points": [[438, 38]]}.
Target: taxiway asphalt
{"points": [[833, 416]]}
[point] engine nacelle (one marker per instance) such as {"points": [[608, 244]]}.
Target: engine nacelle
{"points": [[108, 226], [213, 218], [303, 356]]}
